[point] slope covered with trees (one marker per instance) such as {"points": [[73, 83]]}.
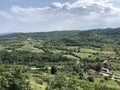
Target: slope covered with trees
{"points": [[60, 60]]}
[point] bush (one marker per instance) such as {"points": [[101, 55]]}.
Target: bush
{"points": [[53, 70], [91, 79]]}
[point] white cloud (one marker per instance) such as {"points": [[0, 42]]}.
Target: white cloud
{"points": [[5, 15], [80, 8], [31, 14]]}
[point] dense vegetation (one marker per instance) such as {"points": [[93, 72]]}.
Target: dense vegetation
{"points": [[60, 60]]}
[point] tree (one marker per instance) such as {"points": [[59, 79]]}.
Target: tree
{"points": [[98, 67], [81, 76], [76, 69], [91, 79], [18, 82], [53, 70], [106, 78], [13, 81]]}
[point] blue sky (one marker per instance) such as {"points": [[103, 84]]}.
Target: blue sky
{"points": [[50, 15]]}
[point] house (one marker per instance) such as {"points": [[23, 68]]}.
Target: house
{"points": [[105, 70], [117, 78], [91, 71]]}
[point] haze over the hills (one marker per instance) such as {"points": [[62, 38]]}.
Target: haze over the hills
{"points": [[49, 15]]}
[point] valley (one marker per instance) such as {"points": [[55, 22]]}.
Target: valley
{"points": [[61, 60]]}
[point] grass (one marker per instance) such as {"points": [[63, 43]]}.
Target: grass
{"points": [[28, 45], [71, 57], [108, 52], [86, 50], [111, 82], [56, 51], [83, 55], [72, 47], [117, 73], [37, 50], [36, 86], [89, 53], [1, 47]]}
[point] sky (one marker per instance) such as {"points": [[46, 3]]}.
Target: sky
{"points": [[52, 15]]}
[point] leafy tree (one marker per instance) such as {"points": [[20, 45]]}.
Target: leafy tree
{"points": [[76, 69], [81, 76], [14, 81], [98, 67], [91, 79], [106, 78], [53, 70]]}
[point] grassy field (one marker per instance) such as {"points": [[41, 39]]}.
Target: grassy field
{"points": [[38, 78], [71, 57], [83, 55], [87, 50], [56, 51], [35, 85]]}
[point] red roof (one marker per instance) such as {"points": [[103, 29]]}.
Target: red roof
{"points": [[91, 70], [104, 68]]}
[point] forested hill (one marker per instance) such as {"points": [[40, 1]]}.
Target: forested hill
{"points": [[56, 60], [39, 35], [109, 33], [95, 38]]}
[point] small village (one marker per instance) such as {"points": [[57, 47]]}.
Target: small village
{"points": [[104, 72]]}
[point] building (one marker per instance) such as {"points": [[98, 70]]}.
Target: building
{"points": [[91, 71], [117, 78], [105, 70]]}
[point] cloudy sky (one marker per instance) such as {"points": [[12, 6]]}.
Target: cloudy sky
{"points": [[50, 15]]}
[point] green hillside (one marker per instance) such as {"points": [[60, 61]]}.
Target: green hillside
{"points": [[60, 60]]}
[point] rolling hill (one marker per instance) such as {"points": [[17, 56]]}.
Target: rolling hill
{"points": [[55, 60]]}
